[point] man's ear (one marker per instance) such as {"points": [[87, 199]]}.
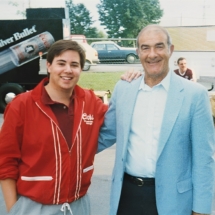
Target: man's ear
{"points": [[47, 65], [137, 51], [47, 68], [171, 49]]}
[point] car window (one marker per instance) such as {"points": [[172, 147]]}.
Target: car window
{"points": [[111, 47], [99, 47]]}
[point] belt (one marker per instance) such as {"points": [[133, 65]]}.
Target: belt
{"points": [[139, 181]]}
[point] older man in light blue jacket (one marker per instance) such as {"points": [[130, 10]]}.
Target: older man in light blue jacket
{"points": [[163, 130]]}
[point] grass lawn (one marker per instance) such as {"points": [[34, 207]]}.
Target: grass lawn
{"points": [[101, 81]]}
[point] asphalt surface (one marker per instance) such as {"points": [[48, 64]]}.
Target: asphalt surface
{"points": [[117, 67]]}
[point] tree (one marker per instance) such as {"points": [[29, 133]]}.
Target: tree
{"points": [[80, 20], [101, 34], [125, 18]]}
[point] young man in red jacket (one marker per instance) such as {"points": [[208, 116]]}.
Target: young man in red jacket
{"points": [[49, 139]]}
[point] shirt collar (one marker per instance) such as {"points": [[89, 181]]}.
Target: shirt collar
{"points": [[165, 83], [46, 100]]}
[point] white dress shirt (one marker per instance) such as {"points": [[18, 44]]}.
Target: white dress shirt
{"points": [[145, 129]]}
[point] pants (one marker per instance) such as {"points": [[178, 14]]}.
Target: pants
{"points": [[25, 206], [137, 200]]}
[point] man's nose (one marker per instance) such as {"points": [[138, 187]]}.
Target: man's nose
{"points": [[68, 68], [152, 52]]}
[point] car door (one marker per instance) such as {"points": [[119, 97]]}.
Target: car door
{"points": [[102, 51], [114, 53]]}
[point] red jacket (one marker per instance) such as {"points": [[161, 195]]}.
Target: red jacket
{"points": [[34, 152]]}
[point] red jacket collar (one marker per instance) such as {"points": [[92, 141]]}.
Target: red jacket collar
{"points": [[37, 91]]}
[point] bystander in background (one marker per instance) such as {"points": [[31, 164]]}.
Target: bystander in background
{"points": [[183, 71]]}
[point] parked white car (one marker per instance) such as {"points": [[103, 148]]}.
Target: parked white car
{"points": [[91, 53]]}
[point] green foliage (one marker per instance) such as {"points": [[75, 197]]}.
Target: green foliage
{"points": [[125, 18], [101, 81], [80, 20], [101, 34]]}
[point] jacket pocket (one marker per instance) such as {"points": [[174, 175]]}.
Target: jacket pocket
{"points": [[88, 169], [86, 177], [184, 185], [36, 178]]}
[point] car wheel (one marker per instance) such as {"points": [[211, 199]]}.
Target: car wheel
{"points": [[87, 65], [7, 93], [131, 58]]}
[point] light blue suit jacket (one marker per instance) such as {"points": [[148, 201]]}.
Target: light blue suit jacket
{"points": [[185, 166]]}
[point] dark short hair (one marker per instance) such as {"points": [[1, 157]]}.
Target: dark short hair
{"points": [[169, 40], [61, 46], [179, 59]]}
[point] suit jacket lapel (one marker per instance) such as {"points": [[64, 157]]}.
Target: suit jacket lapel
{"points": [[173, 105]]}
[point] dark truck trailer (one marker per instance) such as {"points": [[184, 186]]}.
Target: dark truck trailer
{"points": [[21, 42]]}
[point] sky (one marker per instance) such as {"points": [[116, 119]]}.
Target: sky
{"points": [[176, 12]]}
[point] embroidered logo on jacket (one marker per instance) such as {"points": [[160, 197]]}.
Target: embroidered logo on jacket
{"points": [[88, 119]]}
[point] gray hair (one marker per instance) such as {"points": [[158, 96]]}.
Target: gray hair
{"points": [[169, 40]]}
